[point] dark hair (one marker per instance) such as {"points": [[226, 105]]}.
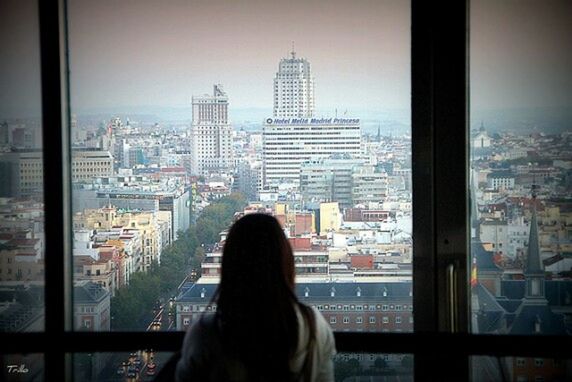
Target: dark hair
{"points": [[256, 300]]}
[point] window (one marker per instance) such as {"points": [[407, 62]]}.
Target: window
{"points": [[21, 171], [526, 156], [385, 320], [346, 320], [372, 320], [332, 319], [510, 238], [440, 246]]}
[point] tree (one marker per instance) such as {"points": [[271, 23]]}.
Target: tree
{"points": [[198, 257], [217, 217], [132, 305]]}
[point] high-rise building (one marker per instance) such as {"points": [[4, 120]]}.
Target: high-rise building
{"points": [[293, 135], [211, 134], [329, 179], [288, 142], [293, 88]]}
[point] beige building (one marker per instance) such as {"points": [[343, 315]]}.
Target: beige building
{"points": [[153, 228], [368, 186], [89, 164], [24, 170], [21, 266], [211, 134], [100, 272]]}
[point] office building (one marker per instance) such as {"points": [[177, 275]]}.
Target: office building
{"points": [[293, 88], [329, 179], [346, 306], [211, 134], [22, 171], [288, 142]]}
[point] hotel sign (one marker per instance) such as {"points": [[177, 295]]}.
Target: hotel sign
{"points": [[311, 121]]}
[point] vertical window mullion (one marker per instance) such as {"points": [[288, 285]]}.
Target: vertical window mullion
{"points": [[439, 139], [58, 283]]}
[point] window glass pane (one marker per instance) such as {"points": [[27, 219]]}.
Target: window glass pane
{"points": [[22, 367], [373, 367], [178, 125], [142, 365], [519, 369], [21, 170], [521, 161]]}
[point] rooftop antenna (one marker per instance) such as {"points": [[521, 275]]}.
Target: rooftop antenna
{"points": [[293, 52]]}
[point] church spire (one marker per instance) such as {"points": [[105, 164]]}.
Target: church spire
{"points": [[533, 262], [534, 272]]}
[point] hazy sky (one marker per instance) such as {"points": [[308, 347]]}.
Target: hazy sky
{"points": [[521, 53], [160, 53], [19, 59]]}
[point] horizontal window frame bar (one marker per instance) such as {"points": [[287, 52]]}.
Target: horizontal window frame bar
{"points": [[355, 342]]}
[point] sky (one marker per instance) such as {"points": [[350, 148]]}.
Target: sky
{"points": [[126, 53]]}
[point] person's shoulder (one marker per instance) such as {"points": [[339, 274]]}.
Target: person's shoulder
{"points": [[203, 328], [199, 345], [324, 333], [322, 326]]}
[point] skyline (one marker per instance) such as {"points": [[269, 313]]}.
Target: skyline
{"points": [[126, 56]]}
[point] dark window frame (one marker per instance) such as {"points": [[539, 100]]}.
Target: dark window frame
{"points": [[440, 110]]}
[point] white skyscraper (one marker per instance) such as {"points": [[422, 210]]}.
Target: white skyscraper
{"points": [[293, 88], [288, 142], [293, 135], [211, 134]]}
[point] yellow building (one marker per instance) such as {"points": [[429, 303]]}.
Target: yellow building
{"points": [[280, 208], [330, 217]]}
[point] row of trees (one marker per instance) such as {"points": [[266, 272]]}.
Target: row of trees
{"points": [[132, 305]]}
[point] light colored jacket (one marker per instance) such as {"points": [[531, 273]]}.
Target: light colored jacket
{"points": [[202, 357]]}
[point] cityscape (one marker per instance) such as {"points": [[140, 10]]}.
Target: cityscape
{"points": [[153, 199], [151, 203]]}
